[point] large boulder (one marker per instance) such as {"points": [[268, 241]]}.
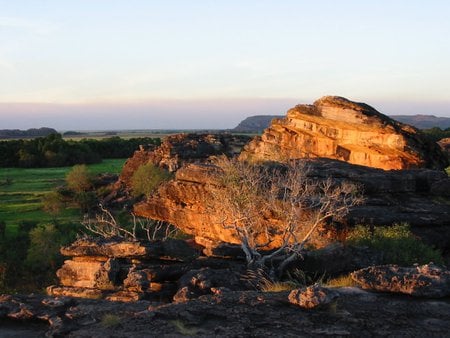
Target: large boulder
{"points": [[422, 281], [337, 128]]}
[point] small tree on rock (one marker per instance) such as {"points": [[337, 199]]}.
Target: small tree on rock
{"points": [[147, 178], [253, 197]]}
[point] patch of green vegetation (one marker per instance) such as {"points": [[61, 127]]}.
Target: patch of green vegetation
{"points": [[397, 244], [110, 320], [21, 198]]}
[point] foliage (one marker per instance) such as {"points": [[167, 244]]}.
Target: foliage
{"points": [[147, 178], [54, 151], [435, 134], [110, 320], [52, 203], [249, 194], [397, 243], [45, 241], [79, 179]]}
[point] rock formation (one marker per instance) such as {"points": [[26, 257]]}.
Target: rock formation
{"points": [[336, 128], [255, 124], [422, 281], [313, 296], [445, 146], [117, 269], [412, 196], [122, 270]]}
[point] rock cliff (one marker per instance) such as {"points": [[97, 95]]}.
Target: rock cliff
{"points": [[334, 127], [413, 196]]}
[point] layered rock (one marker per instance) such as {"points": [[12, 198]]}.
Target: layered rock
{"points": [[412, 196], [117, 269], [336, 128]]}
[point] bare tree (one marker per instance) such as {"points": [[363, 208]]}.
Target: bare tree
{"points": [[105, 225], [263, 202]]}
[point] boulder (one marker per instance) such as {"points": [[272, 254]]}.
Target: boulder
{"points": [[421, 281], [312, 297], [337, 128], [204, 281]]}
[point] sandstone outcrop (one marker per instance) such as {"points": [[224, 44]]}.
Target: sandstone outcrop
{"points": [[411, 196], [118, 269], [334, 127], [175, 150], [422, 281], [121, 270]]}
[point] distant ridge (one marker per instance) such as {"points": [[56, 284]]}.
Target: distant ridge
{"points": [[257, 123], [423, 121], [33, 132]]}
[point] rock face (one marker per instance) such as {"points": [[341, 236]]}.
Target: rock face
{"points": [[421, 281], [336, 128], [391, 196]]}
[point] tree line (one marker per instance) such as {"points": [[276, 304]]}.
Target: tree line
{"points": [[54, 151]]}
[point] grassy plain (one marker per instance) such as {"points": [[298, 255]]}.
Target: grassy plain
{"points": [[21, 191]]}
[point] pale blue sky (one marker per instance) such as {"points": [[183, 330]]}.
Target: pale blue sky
{"points": [[102, 64]]}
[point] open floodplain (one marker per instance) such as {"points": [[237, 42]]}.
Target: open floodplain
{"points": [[22, 189]]}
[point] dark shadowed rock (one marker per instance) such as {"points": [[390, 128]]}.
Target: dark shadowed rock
{"points": [[201, 282], [235, 314], [422, 281]]}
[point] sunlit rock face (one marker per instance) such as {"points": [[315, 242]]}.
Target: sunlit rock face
{"points": [[336, 128]]}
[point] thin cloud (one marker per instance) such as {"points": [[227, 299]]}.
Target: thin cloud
{"points": [[40, 27]]}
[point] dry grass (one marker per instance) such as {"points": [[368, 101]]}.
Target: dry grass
{"points": [[341, 281]]}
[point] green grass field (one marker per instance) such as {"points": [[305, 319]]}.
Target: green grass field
{"points": [[21, 191]]}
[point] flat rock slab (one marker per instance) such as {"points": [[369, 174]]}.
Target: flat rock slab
{"points": [[357, 313]]}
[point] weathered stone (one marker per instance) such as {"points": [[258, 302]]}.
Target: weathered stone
{"points": [[80, 292], [336, 128], [312, 297], [125, 296], [136, 281], [391, 197], [89, 274], [422, 281], [200, 282], [170, 249]]}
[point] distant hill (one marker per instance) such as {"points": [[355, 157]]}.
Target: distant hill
{"points": [[33, 132], [423, 121], [257, 123]]}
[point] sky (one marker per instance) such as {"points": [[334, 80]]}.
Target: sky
{"points": [[143, 64]]}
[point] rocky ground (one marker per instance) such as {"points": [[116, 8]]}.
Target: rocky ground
{"points": [[356, 313]]}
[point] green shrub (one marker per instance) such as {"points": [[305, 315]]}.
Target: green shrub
{"points": [[397, 243], [110, 320], [147, 178], [79, 179]]}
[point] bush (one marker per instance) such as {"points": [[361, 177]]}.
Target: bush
{"points": [[397, 243], [147, 178], [52, 203], [79, 178]]}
